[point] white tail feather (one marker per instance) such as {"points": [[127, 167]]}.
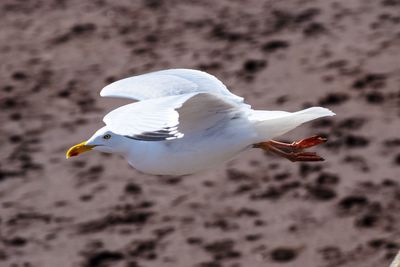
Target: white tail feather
{"points": [[270, 124]]}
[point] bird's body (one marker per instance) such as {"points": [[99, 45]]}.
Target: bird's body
{"points": [[192, 153], [186, 121]]}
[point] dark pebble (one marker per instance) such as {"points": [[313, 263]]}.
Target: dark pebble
{"points": [[15, 138], [391, 245], [153, 4], [327, 179], [228, 255], [6, 174], [220, 32], [331, 253], [8, 103], [19, 76], [151, 38], [247, 212], [110, 79], [83, 28], [132, 188], [334, 99], [146, 204], [222, 224], [96, 169], [172, 180], [133, 264], [17, 242], [270, 193], [219, 246], [367, 221], [259, 222], [236, 175], [357, 161], [194, 240], [208, 183], [222, 249], [389, 182], [392, 142], [307, 15], [86, 198], [375, 97], [290, 185], [351, 202], [110, 220], [275, 45], [314, 29], [103, 257], [305, 169], [283, 254], [245, 188], [321, 193], [8, 88], [253, 237], [337, 64], [254, 65], [377, 243], [64, 93], [282, 18], [353, 141], [397, 159], [209, 264], [144, 248], [370, 80], [281, 100], [15, 116], [375, 207], [281, 176], [373, 80], [352, 123], [391, 3]]}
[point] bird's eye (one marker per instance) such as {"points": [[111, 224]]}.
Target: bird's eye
{"points": [[107, 136]]}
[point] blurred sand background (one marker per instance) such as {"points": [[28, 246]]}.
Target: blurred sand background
{"points": [[257, 210]]}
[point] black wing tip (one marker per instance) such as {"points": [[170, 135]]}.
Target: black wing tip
{"points": [[169, 133]]}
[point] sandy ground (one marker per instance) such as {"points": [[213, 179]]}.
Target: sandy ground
{"points": [[257, 210]]}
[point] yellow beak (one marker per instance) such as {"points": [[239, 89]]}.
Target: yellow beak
{"points": [[78, 149]]}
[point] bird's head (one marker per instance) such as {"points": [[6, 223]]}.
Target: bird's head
{"points": [[103, 140]]}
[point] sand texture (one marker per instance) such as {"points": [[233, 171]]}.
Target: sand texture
{"points": [[257, 210]]}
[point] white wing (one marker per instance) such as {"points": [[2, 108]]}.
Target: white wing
{"points": [[167, 83], [171, 117]]}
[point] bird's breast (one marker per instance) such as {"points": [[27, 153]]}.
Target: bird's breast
{"points": [[184, 156]]}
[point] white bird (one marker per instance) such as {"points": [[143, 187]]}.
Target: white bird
{"points": [[187, 121]]}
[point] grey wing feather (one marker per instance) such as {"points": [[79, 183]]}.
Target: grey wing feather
{"points": [[160, 135], [171, 117]]}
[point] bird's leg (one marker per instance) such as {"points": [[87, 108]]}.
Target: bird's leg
{"points": [[301, 144], [294, 151], [292, 155]]}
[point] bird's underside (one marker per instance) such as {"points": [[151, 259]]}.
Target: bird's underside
{"points": [[294, 151]]}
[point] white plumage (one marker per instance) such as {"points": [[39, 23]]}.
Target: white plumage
{"points": [[170, 82], [186, 121]]}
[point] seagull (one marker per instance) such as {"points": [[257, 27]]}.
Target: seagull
{"points": [[186, 121]]}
